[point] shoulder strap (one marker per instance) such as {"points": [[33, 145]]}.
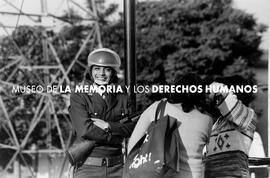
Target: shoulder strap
{"points": [[160, 109]]}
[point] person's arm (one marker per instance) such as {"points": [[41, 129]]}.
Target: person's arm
{"points": [[119, 129], [235, 111], [115, 128], [142, 126], [84, 126], [123, 129]]}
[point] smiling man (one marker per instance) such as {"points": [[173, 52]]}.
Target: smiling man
{"points": [[96, 117]]}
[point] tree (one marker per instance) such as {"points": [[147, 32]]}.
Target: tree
{"points": [[20, 105], [206, 37]]}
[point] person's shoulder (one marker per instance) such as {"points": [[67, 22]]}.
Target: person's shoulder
{"points": [[155, 104], [121, 95], [206, 119], [77, 96], [202, 115], [120, 90], [78, 91]]}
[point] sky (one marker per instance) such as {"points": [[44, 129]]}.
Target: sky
{"points": [[261, 11], [259, 8]]}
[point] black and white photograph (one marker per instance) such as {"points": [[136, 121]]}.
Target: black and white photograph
{"points": [[134, 89]]}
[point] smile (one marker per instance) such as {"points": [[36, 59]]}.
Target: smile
{"points": [[101, 78]]}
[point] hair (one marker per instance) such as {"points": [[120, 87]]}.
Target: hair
{"points": [[114, 77], [188, 100]]}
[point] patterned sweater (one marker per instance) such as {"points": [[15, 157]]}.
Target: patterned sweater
{"points": [[230, 141]]}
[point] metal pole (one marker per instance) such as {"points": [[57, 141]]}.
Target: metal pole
{"points": [[268, 121], [47, 81], [34, 149], [130, 49], [17, 169]]}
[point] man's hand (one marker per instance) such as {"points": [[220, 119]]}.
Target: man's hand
{"points": [[101, 123], [216, 95], [215, 86]]}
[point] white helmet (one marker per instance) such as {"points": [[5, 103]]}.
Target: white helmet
{"points": [[104, 57]]}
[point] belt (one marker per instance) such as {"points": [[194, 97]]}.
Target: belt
{"points": [[105, 161]]}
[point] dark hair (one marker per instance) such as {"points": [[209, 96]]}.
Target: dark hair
{"points": [[188, 100], [88, 75]]}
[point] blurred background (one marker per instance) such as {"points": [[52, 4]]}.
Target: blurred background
{"points": [[46, 42]]}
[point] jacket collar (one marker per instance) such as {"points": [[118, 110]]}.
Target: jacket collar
{"points": [[110, 99]]}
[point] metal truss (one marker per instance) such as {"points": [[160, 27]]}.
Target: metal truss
{"points": [[46, 107]]}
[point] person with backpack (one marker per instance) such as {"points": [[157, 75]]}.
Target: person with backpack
{"points": [[96, 118], [194, 128]]}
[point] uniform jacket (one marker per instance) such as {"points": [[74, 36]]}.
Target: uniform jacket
{"points": [[84, 106]]}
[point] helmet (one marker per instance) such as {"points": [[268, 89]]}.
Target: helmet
{"points": [[104, 57]]}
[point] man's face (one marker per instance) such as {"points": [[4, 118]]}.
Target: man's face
{"points": [[101, 75]]}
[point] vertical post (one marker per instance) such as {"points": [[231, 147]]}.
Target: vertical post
{"points": [[34, 148], [44, 9], [268, 121], [17, 168], [130, 49], [46, 81], [268, 128], [98, 35]]}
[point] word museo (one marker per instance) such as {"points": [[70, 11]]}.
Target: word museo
{"points": [[28, 89]]}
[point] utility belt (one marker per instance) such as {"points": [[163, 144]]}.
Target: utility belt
{"points": [[105, 161]]}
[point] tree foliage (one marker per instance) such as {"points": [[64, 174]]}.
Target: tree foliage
{"points": [[28, 43], [207, 37]]}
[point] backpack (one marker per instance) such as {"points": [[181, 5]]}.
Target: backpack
{"points": [[157, 151]]}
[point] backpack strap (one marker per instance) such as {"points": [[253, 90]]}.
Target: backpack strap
{"points": [[160, 109]]}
